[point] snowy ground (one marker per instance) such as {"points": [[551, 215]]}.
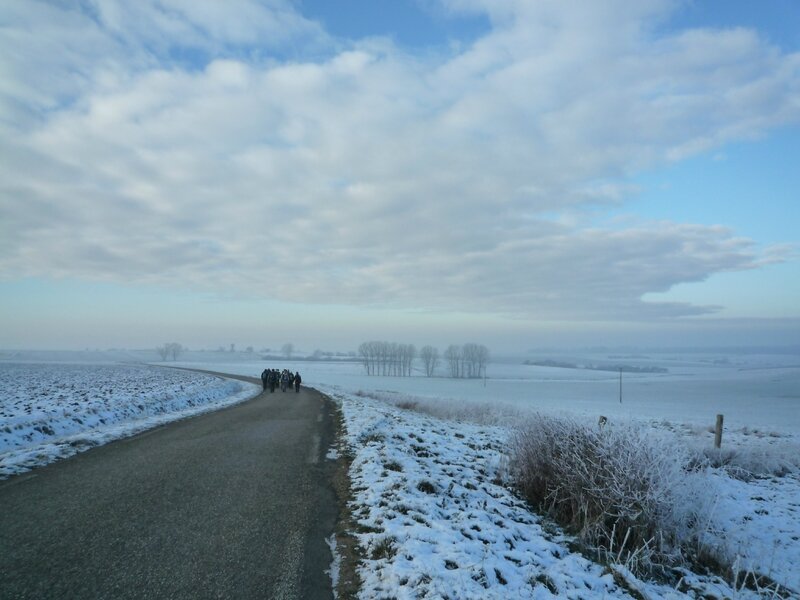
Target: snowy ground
{"points": [[436, 519], [759, 521], [54, 410], [756, 518]]}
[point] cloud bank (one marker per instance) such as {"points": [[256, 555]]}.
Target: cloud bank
{"points": [[246, 151]]}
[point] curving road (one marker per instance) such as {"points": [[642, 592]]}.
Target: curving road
{"points": [[231, 504]]}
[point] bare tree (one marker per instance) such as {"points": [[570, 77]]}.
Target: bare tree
{"points": [[371, 353], [468, 352], [409, 356], [393, 357], [384, 357], [365, 355], [287, 349], [430, 359], [483, 359], [175, 349], [453, 357], [474, 358]]}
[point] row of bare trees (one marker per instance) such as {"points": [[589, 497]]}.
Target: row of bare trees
{"points": [[173, 349], [430, 359], [468, 361], [391, 358], [387, 358]]}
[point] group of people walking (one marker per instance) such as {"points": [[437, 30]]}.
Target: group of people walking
{"points": [[272, 378]]}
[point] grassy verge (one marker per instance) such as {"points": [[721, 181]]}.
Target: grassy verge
{"points": [[636, 501], [347, 546]]}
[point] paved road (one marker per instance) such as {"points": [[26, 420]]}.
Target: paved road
{"points": [[231, 504]]}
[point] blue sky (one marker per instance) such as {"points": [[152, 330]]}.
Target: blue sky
{"points": [[415, 24], [433, 171]]}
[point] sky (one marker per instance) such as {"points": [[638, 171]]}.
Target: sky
{"points": [[508, 172]]}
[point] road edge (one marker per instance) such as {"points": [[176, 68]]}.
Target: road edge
{"points": [[348, 550]]}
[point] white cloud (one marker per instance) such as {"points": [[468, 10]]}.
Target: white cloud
{"points": [[159, 26], [201, 23], [372, 176]]}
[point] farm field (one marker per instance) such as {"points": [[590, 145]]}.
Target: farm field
{"points": [[755, 519], [54, 410], [757, 392], [452, 537], [435, 516]]}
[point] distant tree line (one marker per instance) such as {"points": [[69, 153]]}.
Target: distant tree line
{"points": [[391, 358], [468, 361], [173, 350], [387, 358]]}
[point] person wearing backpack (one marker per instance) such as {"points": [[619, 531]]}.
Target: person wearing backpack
{"points": [[264, 378], [273, 379], [284, 380], [297, 381]]}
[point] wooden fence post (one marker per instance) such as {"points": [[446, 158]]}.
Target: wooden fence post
{"points": [[718, 432]]}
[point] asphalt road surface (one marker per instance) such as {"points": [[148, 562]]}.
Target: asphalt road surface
{"points": [[231, 504]]}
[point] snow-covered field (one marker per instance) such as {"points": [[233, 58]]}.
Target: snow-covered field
{"points": [[53, 410], [415, 541], [758, 392], [436, 518]]}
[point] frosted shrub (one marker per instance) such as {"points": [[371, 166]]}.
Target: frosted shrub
{"points": [[623, 493]]}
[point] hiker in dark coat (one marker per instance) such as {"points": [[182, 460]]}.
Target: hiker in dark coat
{"points": [[264, 377], [297, 381], [273, 379]]}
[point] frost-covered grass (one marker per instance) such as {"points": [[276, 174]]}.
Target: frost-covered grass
{"points": [[623, 491], [439, 516], [746, 452], [644, 498], [53, 410], [434, 519]]}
